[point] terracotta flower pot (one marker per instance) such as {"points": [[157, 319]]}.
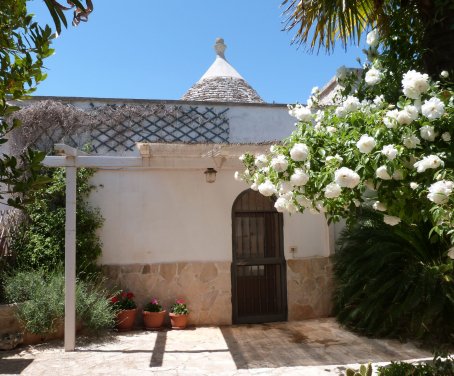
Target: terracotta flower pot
{"points": [[125, 319], [178, 321], [153, 320], [32, 338]]}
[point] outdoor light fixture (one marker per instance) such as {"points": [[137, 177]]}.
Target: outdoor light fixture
{"points": [[210, 175]]}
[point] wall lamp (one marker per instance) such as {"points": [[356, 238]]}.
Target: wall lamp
{"points": [[210, 175]]}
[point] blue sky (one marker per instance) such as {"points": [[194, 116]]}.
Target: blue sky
{"points": [[155, 49]]}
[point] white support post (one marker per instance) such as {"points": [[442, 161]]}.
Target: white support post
{"points": [[70, 258]]}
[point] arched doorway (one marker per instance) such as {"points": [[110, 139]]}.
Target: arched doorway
{"points": [[259, 288]]}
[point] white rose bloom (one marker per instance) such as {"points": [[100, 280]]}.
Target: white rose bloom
{"points": [[331, 129], [332, 190], [389, 151], [428, 133], [390, 119], [373, 76], [379, 206], [273, 148], [366, 144], [412, 111], [372, 38], [414, 84], [340, 112], [382, 173], [379, 101], [433, 109], [351, 104], [414, 185], [431, 161], [299, 178], [281, 204], [398, 175], [301, 113], [391, 220], [407, 115], [299, 152], [304, 201], [254, 186], [315, 90], [242, 157], [337, 157], [267, 188], [279, 163], [439, 192], [411, 142], [446, 136], [261, 160], [237, 176], [319, 115], [451, 253], [285, 187], [346, 178], [444, 74]]}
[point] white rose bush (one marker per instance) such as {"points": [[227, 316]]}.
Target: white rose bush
{"points": [[364, 152]]}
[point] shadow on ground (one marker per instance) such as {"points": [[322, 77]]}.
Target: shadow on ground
{"points": [[13, 366], [309, 343]]}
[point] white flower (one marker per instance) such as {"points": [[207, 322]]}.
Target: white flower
{"points": [[439, 192], [304, 201], [433, 108], [407, 115], [261, 160], [411, 142], [242, 157], [237, 176], [341, 72], [414, 185], [319, 115], [299, 152], [346, 177], [373, 76], [357, 202], [279, 163], [351, 104], [379, 101], [379, 206], [444, 74], [315, 90], [285, 187], [451, 253], [301, 113], [254, 186], [389, 151], [281, 204], [390, 119], [382, 173], [267, 188], [372, 38], [431, 161], [446, 136], [391, 220], [332, 190], [299, 178], [273, 148], [398, 175], [331, 129], [414, 84], [365, 144], [340, 111], [337, 158], [428, 133]]}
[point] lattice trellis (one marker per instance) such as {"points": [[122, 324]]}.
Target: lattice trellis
{"points": [[186, 125]]}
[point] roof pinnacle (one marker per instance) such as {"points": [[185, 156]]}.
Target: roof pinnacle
{"points": [[220, 47]]}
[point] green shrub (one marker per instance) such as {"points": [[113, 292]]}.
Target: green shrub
{"points": [[438, 367], [394, 281], [40, 241], [43, 304]]}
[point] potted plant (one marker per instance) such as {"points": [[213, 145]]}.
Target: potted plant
{"points": [[126, 309], [179, 314], [153, 315]]}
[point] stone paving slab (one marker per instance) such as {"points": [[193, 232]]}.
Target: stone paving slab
{"points": [[312, 347]]}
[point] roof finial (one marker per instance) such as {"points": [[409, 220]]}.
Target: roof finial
{"points": [[220, 47]]}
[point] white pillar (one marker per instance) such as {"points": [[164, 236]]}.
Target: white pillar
{"points": [[70, 259]]}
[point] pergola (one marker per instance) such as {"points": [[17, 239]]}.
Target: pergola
{"points": [[71, 159]]}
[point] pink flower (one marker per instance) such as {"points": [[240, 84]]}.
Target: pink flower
{"points": [[154, 301], [180, 301]]}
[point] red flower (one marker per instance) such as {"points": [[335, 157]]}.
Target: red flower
{"points": [[130, 295], [124, 294], [113, 299]]}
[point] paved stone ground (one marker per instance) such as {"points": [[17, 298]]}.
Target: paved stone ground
{"points": [[312, 347]]}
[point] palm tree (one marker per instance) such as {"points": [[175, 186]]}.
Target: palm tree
{"points": [[321, 23]]}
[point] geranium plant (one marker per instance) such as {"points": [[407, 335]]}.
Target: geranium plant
{"points": [[123, 300], [153, 306], [396, 157], [179, 307]]}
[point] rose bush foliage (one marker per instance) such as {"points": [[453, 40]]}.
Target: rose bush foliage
{"points": [[396, 157]]}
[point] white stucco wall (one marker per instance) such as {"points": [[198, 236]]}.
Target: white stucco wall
{"points": [[158, 216]]}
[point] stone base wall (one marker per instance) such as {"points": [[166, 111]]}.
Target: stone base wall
{"points": [[9, 322], [206, 286], [309, 288]]}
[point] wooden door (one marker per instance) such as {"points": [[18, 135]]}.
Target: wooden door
{"points": [[259, 292]]}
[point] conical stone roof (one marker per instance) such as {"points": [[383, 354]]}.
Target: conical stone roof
{"points": [[222, 83]]}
